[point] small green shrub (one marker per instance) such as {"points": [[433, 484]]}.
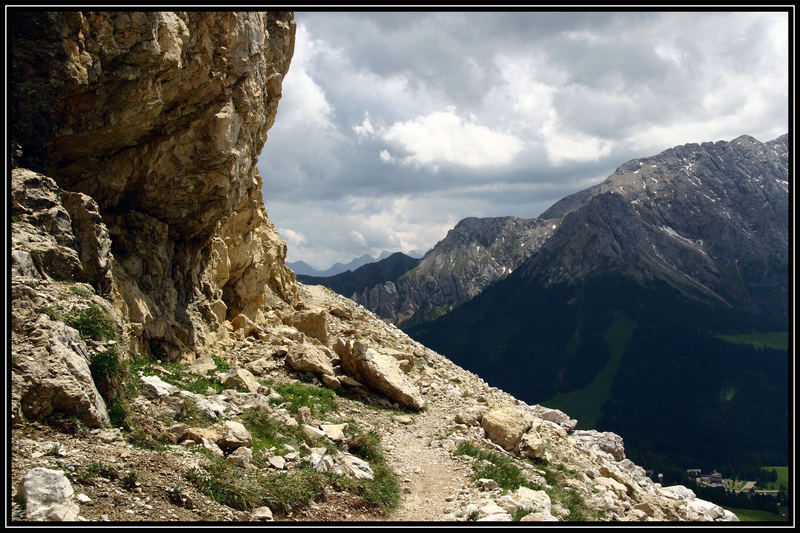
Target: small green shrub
{"points": [[54, 450], [94, 470], [382, 492], [80, 291], [366, 446], [118, 413], [93, 323], [108, 373], [222, 364], [130, 480]]}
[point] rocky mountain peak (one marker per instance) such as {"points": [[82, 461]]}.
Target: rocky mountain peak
{"points": [[692, 215]]}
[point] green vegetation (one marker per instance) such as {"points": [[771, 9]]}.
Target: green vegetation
{"points": [[586, 404], [504, 471], [496, 466], [383, 491], [297, 395], [270, 436], [755, 515], [108, 373], [597, 348], [285, 491], [93, 323], [779, 340], [80, 291], [177, 374], [130, 480], [782, 475], [94, 470]]}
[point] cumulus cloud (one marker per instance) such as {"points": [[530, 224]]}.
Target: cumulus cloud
{"points": [[443, 137], [393, 126]]}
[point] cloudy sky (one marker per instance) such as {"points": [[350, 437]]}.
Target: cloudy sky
{"points": [[394, 126]]}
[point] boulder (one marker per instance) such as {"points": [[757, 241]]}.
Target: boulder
{"points": [[309, 358], [241, 457], [48, 496], [334, 432], [353, 466], [240, 378], [234, 435], [526, 499], [381, 372], [313, 323], [277, 461], [506, 426], [604, 442], [261, 514], [554, 415], [154, 387], [203, 366]]}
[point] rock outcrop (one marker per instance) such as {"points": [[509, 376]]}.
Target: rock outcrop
{"points": [[159, 117]]}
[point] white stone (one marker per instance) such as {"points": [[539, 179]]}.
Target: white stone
{"points": [[48, 495], [154, 387]]}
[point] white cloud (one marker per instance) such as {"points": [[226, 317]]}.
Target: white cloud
{"points": [[364, 129], [443, 137]]}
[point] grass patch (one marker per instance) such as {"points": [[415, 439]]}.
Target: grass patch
{"points": [[755, 515], [244, 491], [783, 478], [80, 291], [367, 446], [383, 491], [222, 364], [179, 376], [496, 466], [108, 373], [778, 340], [93, 323], [501, 468], [296, 395], [269, 435]]}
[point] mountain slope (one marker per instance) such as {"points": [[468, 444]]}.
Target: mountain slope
{"points": [[666, 252], [354, 281], [709, 219], [474, 254]]}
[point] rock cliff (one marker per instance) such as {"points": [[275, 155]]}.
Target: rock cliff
{"points": [[159, 118], [165, 361]]}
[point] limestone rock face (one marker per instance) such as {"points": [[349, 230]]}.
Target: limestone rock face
{"points": [[52, 375], [62, 230], [159, 117]]}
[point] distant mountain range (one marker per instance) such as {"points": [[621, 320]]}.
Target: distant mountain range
{"points": [[301, 268], [631, 305]]}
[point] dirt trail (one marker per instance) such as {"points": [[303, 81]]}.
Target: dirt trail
{"points": [[433, 481]]}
